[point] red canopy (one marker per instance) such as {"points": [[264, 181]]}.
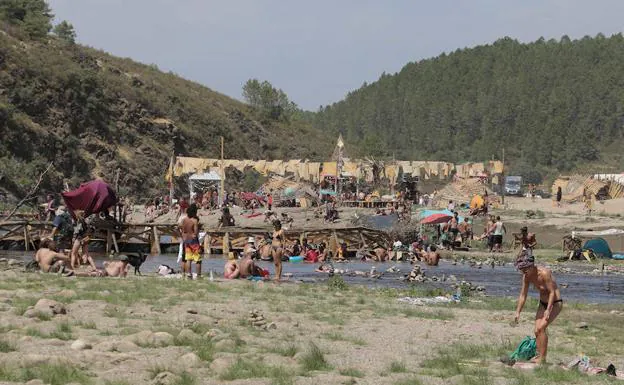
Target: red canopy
{"points": [[435, 219], [92, 197], [249, 196]]}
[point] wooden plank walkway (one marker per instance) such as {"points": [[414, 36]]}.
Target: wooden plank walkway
{"points": [[157, 234]]}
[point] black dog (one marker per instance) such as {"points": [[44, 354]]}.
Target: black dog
{"points": [[136, 260]]}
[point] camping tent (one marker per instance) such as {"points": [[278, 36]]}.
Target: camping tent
{"points": [[599, 247], [613, 237], [205, 180]]}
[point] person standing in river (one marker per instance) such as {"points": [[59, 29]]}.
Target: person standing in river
{"points": [[277, 248], [190, 236], [550, 302]]}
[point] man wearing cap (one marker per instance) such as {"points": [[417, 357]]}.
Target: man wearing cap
{"points": [[250, 248], [550, 302], [247, 267]]}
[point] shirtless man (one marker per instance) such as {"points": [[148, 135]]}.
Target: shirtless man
{"points": [[250, 248], [381, 254], [248, 268], [48, 259], [528, 240], [432, 257], [464, 230], [454, 228], [277, 249], [190, 237], [231, 270], [117, 268], [550, 299]]}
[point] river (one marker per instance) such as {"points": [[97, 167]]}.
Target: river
{"points": [[579, 286]]}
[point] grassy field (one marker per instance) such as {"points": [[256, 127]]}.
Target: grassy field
{"points": [[157, 331]]}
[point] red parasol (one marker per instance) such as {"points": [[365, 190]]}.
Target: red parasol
{"points": [[92, 197], [435, 219]]}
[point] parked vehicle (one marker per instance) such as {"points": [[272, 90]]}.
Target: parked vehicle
{"points": [[513, 185]]}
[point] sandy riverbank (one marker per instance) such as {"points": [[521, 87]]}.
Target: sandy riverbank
{"points": [[158, 331]]}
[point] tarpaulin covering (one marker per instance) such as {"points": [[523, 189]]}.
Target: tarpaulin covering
{"points": [[91, 197], [250, 196], [436, 219]]}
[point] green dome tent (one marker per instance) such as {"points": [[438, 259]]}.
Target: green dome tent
{"points": [[599, 247]]}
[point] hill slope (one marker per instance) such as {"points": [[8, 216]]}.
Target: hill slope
{"points": [[553, 105], [91, 113]]}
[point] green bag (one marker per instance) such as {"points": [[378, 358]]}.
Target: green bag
{"points": [[525, 351]]}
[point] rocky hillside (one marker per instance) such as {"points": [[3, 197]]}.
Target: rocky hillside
{"points": [[91, 113]]}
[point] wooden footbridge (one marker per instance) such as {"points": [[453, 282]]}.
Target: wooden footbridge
{"points": [[117, 235]]}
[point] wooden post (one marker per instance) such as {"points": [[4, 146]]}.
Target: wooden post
{"points": [[155, 242], [115, 242], [26, 245], [207, 244], [226, 243], [222, 187], [503, 179], [30, 238], [108, 241], [171, 180]]}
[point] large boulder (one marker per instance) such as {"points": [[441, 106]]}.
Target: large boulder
{"points": [[187, 335], [49, 307], [163, 339]]}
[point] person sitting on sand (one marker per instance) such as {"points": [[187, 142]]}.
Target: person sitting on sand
{"points": [[287, 219], [226, 218], [305, 246], [341, 252], [296, 248], [432, 257], [381, 254], [49, 260], [323, 252], [117, 268], [550, 302], [231, 269]]}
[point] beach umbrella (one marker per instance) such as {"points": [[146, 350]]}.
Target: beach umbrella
{"points": [[435, 219], [91, 197]]}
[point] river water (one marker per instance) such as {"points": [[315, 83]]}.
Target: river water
{"points": [[580, 286]]}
